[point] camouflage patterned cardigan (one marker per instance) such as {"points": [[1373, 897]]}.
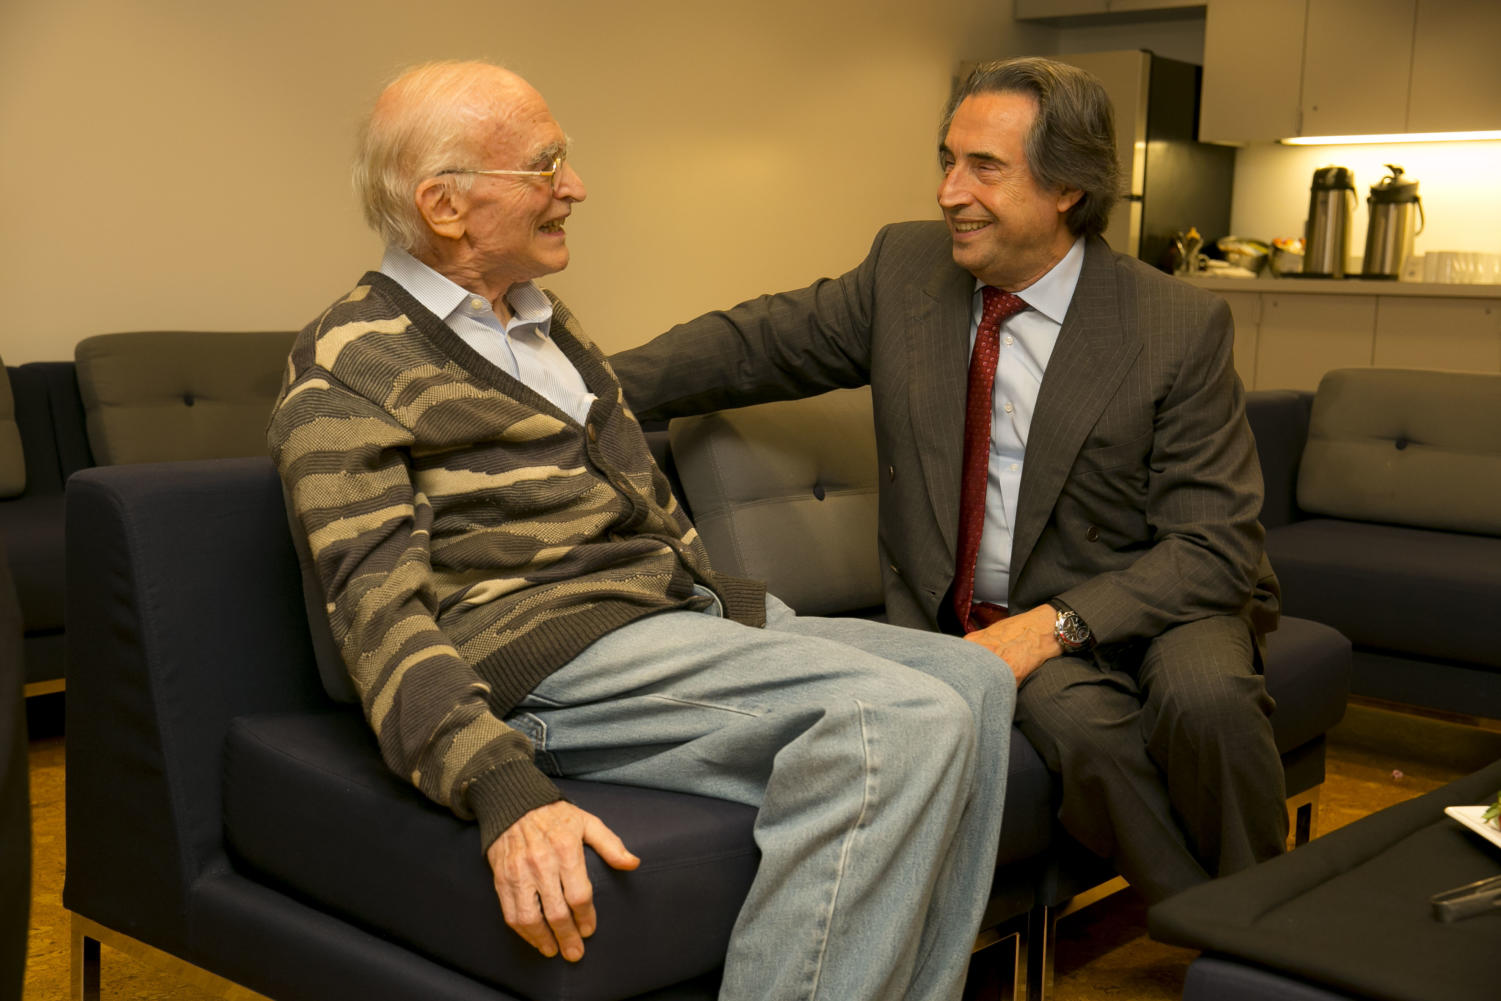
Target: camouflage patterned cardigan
{"points": [[469, 536]]}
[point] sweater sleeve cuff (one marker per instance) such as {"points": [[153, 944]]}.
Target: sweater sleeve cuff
{"points": [[744, 599], [501, 796]]}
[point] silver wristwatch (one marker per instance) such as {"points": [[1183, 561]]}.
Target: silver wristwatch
{"points": [[1069, 630]]}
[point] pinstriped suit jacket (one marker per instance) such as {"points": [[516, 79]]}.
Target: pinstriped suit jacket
{"points": [[1141, 489]]}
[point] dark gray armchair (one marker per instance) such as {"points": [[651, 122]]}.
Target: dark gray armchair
{"points": [[223, 811]]}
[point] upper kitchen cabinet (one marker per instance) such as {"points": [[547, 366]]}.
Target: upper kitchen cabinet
{"points": [[1042, 10], [1357, 63], [1456, 68], [1058, 10], [1283, 68], [1253, 70]]}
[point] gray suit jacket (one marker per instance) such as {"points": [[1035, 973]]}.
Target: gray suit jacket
{"points": [[1141, 488]]}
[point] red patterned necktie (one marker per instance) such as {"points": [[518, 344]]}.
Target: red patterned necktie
{"points": [[977, 414]]}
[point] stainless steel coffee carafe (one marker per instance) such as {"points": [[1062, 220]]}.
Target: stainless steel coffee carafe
{"points": [[1331, 205], [1394, 207]]}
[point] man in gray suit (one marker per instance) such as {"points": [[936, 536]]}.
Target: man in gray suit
{"points": [[1082, 499]]}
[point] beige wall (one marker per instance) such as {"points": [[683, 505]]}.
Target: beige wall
{"points": [[183, 164]]}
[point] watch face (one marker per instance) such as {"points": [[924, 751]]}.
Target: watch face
{"points": [[1072, 632]]}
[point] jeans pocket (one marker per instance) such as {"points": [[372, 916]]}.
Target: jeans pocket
{"points": [[717, 608], [534, 729]]}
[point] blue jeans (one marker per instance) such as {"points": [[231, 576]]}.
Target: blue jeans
{"points": [[876, 756]]}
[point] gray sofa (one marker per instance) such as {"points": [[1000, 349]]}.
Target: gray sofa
{"points": [[1383, 516], [128, 397]]}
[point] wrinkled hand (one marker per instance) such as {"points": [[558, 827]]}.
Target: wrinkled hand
{"points": [[540, 878], [1023, 641]]}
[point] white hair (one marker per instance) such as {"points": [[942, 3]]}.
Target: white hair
{"points": [[423, 124]]}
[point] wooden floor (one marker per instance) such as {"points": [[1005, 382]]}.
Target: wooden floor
{"points": [[1377, 757]]}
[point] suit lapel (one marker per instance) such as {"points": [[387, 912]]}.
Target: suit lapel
{"points": [[938, 360], [1096, 346]]}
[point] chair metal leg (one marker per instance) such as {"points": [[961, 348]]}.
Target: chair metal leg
{"points": [[84, 965], [1004, 943], [87, 937], [1303, 811], [1042, 935], [1042, 925]]}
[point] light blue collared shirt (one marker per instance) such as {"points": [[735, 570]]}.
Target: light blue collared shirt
{"points": [[522, 348], [1027, 341]]}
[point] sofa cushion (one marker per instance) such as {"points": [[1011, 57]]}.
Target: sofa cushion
{"points": [[786, 493], [12, 458], [310, 806], [1405, 447], [170, 395], [1389, 587]]}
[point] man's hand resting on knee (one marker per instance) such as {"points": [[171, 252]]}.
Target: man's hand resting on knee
{"points": [[540, 878]]}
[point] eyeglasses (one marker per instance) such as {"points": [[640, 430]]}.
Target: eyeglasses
{"points": [[551, 173]]}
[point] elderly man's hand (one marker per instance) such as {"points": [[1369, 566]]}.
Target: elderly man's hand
{"points": [[1024, 641], [540, 878]]}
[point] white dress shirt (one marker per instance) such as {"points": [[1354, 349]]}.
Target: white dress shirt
{"points": [[522, 348], [1027, 340]]}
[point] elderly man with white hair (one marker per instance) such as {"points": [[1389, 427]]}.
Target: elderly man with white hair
{"points": [[517, 596]]}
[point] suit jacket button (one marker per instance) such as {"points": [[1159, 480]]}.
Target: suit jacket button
{"points": [[890, 472], [1092, 534]]}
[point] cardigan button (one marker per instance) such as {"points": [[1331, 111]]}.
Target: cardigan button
{"points": [[1092, 534], [593, 434]]}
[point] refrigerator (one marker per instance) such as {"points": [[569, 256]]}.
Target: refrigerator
{"points": [[1170, 181]]}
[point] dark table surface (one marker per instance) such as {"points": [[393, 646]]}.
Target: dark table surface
{"points": [[1351, 911]]}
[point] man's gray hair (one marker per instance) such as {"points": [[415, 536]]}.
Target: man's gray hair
{"points": [[1072, 142], [425, 122]]}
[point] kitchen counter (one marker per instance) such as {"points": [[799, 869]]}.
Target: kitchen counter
{"points": [[1346, 286], [1290, 331]]}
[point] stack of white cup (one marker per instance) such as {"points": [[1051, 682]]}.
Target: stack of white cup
{"points": [[1461, 267]]}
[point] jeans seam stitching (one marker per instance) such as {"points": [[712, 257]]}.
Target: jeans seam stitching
{"points": [[705, 705], [844, 852]]}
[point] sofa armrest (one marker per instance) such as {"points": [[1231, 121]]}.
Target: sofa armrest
{"points": [[184, 611], [1279, 421]]}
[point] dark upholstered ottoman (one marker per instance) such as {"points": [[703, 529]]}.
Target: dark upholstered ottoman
{"points": [[1226, 980], [1349, 913]]}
